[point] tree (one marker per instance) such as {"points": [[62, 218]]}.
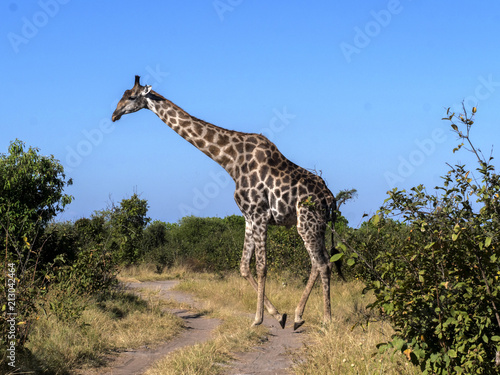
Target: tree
{"points": [[345, 195], [128, 222], [31, 191], [31, 194]]}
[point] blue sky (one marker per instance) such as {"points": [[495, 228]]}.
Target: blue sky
{"points": [[354, 89]]}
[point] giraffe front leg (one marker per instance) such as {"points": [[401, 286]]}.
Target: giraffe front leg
{"points": [[261, 295], [248, 251], [281, 318], [260, 235], [261, 289]]}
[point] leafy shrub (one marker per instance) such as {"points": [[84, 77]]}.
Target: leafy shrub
{"points": [[365, 247], [212, 244], [83, 268], [155, 250], [95, 230], [128, 222], [31, 194], [437, 281], [215, 244], [286, 252]]}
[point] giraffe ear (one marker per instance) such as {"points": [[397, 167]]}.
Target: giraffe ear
{"points": [[146, 90]]}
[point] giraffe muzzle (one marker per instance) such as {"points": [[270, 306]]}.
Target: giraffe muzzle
{"points": [[115, 117]]}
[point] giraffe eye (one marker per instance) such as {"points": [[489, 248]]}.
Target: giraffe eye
{"points": [[132, 97]]}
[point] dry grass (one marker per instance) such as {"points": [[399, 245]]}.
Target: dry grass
{"points": [[146, 272], [343, 347], [125, 321], [235, 334], [131, 322], [149, 326], [347, 345], [209, 358]]}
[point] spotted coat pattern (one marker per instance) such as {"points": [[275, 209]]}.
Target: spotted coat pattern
{"points": [[270, 189]]}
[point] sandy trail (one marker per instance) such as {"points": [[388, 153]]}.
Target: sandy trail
{"points": [[198, 329], [272, 357]]}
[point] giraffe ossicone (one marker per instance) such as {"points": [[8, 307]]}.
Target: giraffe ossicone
{"points": [[270, 189]]}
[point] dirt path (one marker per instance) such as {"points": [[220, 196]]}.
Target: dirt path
{"points": [[272, 357], [198, 329]]}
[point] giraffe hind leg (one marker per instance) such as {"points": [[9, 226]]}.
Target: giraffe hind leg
{"points": [[311, 227], [299, 311]]}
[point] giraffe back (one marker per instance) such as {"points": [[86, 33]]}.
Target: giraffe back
{"points": [[268, 183]]}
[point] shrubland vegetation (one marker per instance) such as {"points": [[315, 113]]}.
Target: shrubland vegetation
{"points": [[432, 260], [428, 260]]}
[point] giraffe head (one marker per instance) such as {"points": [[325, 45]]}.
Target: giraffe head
{"points": [[132, 100]]}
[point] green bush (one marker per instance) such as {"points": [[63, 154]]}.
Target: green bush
{"points": [[83, 267], [47, 266], [31, 194], [155, 245], [364, 248], [215, 244], [437, 281], [211, 244], [286, 252], [128, 221]]}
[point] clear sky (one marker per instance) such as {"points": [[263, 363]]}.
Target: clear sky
{"points": [[354, 89]]}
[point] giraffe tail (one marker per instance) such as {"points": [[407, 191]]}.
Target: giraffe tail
{"points": [[333, 250]]}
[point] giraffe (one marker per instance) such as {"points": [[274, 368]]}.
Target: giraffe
{"points": [[269, 189]]}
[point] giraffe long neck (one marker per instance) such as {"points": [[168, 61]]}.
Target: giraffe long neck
{"points": [[215, 142]]}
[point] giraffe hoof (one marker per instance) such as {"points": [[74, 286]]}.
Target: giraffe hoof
{"points": [[255, 324], [297, 325], [283, 321]]}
